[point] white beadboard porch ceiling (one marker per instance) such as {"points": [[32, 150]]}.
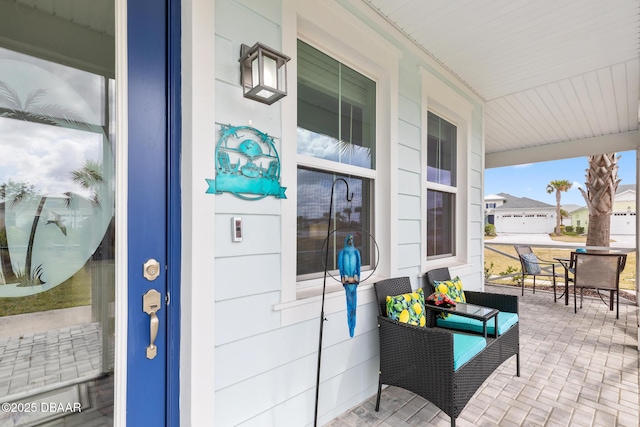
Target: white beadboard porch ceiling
{"points": [[97, 15], [550, 71]]}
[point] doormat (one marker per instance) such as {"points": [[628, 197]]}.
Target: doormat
{"points": [[45, 407]]}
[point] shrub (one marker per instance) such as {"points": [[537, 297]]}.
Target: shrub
{"points": [[510, 270], [489, 230], [580, 230], [488, 270], [568, 228]]}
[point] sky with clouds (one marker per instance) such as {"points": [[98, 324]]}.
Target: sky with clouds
{"points": [[43, 155], [531, 180]]}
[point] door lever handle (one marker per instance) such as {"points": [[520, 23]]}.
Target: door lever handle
{"points": [[152, 350], [151, 305]]}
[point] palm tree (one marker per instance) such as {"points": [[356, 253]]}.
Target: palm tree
{"points": [[16, 192], [564, 214], [558, 187], [602, 183]]}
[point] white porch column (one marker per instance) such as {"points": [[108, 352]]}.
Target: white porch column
{"points": [[637, 253]]}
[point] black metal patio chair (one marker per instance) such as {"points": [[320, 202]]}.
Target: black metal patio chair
{"points": [[533, 266], [598, 271]]}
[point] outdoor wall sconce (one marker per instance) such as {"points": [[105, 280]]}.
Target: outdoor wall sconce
{"points": [[263, 73]]}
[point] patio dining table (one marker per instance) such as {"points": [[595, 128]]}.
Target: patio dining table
{"points": [[566, 263], [569, 268]]}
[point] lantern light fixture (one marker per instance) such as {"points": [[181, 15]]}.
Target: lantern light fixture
{"points": [[263, 73]]}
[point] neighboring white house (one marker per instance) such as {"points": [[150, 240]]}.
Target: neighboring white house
{"points": [[566, 220], [623, 219], [511, 214]]}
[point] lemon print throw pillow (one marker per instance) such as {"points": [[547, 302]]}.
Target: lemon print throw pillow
{"points": [[453, 289], [407, 308]]}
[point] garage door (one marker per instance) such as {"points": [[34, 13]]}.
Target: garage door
{"points": [[623, 223], [524, 223]]}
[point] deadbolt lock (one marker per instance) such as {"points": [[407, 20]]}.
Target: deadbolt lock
{"points": [[151, 269]]}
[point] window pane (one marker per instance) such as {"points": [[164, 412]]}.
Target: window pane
{"points": [[440, 217], [314, 197], [57, 226], [336, 110], [441, 151]]}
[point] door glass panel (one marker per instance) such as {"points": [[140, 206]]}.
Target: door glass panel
{"points": [[57, 204]]}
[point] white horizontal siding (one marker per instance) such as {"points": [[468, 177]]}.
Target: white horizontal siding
{"points": [[409, 135], [409, 255], [409, 111], [409, 86], [247, 25], [409, 161], [250, 315], [409, 232], [409, 207], [236, 277], [261, 235], [272, 368], [409, 183]]}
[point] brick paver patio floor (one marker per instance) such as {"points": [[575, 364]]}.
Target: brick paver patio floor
{"points": [[576, 370], [40, 360], [36, 366]]}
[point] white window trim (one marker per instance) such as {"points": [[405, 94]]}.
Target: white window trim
{"points": [[122, 174], [441, 99], [334, 31], [331, 166]]}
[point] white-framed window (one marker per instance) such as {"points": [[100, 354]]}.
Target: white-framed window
{"points": [[453, 191], [441, 186], [336, 139], [326, 27]]}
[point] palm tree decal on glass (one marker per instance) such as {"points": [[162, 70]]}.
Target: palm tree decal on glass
{"points": [[64, 226], [34, 110]]}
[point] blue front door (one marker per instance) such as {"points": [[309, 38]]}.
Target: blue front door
{"points": [[153, 212], [89, 213]]}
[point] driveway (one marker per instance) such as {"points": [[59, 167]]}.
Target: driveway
{"points": [[626, 241], [522, 238], [617, 241]]}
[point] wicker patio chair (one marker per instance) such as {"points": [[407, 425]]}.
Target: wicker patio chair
{"points": [[534, 266], [600, 272], [421, 359]]}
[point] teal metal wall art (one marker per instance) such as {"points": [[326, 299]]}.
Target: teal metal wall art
{"points": [[247, 164]]}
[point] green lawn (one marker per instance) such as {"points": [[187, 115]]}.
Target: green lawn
{"points": [[74, 292], [504, 264]]}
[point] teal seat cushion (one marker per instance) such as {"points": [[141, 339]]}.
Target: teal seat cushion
{"points": [[505, 321], [465, 347]]}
